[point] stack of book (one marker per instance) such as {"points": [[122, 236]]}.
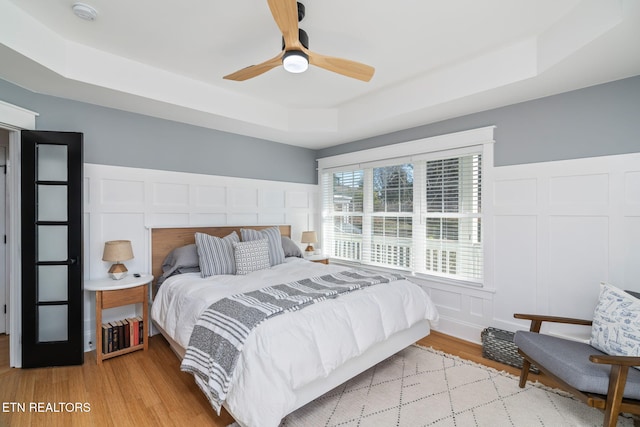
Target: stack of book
{"points": [[122, 334]]}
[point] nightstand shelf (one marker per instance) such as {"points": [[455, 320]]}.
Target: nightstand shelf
{"points": [[116, 293]]}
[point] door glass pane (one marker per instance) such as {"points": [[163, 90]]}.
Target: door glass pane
{"points": [[52, 162], [52, 323], [52, 203], [52, 243], [52, 283]]}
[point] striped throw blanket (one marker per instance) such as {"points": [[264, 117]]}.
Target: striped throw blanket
{"points": [[221, 331]]}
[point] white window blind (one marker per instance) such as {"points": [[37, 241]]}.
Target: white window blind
{"points": [[452, 239], [391, 217], [422, 216], [343, 203]]}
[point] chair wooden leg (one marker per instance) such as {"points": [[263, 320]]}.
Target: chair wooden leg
{"points": [[617, 381], [524, 373]]}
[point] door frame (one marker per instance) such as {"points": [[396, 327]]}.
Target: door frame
{"points": [[4, 214], [14, 119]]}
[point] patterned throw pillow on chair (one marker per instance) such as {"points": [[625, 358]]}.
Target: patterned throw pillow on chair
{"points": [[616, 322], [251, 256]]}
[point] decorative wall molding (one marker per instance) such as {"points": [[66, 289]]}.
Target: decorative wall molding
{"points": [[14, 117], [559, 228], [122, 203]]}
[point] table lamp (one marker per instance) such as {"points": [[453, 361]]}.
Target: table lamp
{"points": [[309, 237], [116, 251]]}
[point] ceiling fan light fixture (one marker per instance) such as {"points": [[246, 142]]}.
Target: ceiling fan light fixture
{"points": [[295, 61]]}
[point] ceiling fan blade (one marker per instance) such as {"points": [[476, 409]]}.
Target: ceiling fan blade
{"points": [[255, 70], [285, 13], [345, 67]]}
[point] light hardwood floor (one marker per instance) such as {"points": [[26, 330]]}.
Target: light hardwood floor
{"points": [[137, 389]]}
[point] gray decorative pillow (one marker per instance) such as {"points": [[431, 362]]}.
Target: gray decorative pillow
{"points": [[251, 256], [180, 260], [216, 254], [276, 253], [290, 248]]}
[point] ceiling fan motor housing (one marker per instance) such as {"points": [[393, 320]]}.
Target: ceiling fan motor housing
{"points": [[302, 36]]}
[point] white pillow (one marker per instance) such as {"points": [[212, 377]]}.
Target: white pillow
{"points": [[251, 256], [215, 254], [616, 322]]}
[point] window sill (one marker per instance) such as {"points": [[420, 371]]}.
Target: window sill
{"points": [[433, 282]]}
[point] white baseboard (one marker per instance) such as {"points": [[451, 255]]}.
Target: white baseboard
{"points": [[459, 329]]}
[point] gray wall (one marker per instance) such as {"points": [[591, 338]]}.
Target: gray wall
{"points": [[595, 121], [115, 137]]}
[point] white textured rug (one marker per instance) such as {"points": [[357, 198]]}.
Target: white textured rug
{"points": [[423, 387]]}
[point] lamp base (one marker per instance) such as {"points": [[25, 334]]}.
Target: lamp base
{"points": [[309, 250], [118, 271]]}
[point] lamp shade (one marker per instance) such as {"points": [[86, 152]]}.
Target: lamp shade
{"points": [[309, 237], [117, 250]]}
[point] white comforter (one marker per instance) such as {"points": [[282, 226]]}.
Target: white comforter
{"points": [[327, 334]]}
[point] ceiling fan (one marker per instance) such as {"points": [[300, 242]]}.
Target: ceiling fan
{"points": [[295, 55]]}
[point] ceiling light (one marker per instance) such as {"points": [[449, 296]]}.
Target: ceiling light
{"points": [[295, 61], [84, 11]]}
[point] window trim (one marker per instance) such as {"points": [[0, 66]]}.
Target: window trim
{"points": [[478, 140], [431, 145]]}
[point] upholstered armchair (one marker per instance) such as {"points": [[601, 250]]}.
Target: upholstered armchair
{"points": [[601, 379]]}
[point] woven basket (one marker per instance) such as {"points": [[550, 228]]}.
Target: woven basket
{"points": [[498, 345]]}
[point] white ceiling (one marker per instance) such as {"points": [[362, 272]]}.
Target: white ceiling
{"points": [[434, 59]]}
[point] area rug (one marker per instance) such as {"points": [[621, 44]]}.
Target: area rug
{"points": [[423, 387]]}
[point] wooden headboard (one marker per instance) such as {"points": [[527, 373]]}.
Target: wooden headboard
{"points": [[164, 240]]}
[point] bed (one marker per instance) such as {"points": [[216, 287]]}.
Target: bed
{"points": [[292, 359]]}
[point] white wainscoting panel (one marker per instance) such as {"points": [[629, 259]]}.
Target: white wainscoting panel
{"points": [[632, 188], [578, 260], [516, 193], [167, 195], [631, 254], [273, 199], [298, 199], [244, 198], [117, 192], [210, 197], [552, 250], [516, 270], [581, 190], [121, 203]]}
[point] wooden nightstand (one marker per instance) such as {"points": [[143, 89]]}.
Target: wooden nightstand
{"points": [[115, 293], [318, 258]]}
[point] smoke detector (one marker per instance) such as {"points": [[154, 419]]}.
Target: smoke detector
{"points": [[84, 11]]}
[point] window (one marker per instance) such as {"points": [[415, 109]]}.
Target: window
{"points": [[453, 240], [347, 212], [421, 213], [392, 217]]}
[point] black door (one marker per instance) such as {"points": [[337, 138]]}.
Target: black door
{"points": [[52, 318]]}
